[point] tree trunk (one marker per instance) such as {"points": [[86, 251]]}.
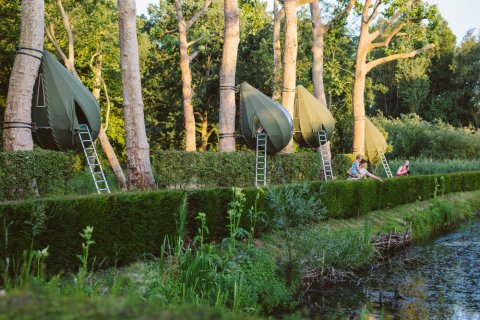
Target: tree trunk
{"points": [[17, 134], [358, 97], [290, 61], [227, 76], [318, 31], [277, 51], [102, 136], [139, 170]]}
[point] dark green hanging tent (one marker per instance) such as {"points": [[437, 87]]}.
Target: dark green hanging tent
{"points": [[61, 103], [310, 117], [260, 113]]}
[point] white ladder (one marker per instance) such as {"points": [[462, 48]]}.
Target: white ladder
{"points": [[261, 160], [326, 161], [93, 161], [385, 164]]}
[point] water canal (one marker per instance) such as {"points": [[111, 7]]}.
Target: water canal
{"points": [[437, 280]]}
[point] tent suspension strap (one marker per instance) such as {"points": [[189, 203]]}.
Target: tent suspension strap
{"points": [[19, 51], [17, 125], [285, 89], [227, 135], [234, 88]]}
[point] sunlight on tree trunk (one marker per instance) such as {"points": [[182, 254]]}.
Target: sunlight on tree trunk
{"points": [[370, 39], [17, 134], [278, 14], [227, 77], [185, 59], [139, 170]]}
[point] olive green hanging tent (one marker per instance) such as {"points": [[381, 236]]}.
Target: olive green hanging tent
{"points": [[259, 113], [375, 142], [60, 104], [310, 117]]}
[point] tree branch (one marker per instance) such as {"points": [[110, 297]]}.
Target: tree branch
{"points": [[198, 14], [376, 8], [389, 37], [377, 62], [299, 3], [366, 9], [71, 49], [51, 36], [347, 11], [391, 21], [193, 55]]}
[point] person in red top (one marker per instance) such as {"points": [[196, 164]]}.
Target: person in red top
{"points": [[403, 170]]}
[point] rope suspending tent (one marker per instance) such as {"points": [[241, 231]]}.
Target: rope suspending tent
{"points": [[266, 126], [313, 126], [66, 115]]}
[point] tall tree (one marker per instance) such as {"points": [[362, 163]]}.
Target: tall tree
{"points": [[319, 28], [185, 59], [17, 133], [278, 14], [69, 61], [290, 58], [377, 33], [139, 169], [227, 76]]}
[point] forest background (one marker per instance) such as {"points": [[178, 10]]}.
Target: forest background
{"points": [[440, 86]]}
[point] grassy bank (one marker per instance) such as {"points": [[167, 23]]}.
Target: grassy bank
{"points": [[243, 273]]}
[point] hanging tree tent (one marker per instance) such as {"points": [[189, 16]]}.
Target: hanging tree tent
{"points": [[310, 118], [259, 113], [375, 142], [61, 103]]}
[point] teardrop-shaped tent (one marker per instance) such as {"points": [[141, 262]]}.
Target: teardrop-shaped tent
{"points": [[375, 142], [260, 113], [60, 104], [311, 117]]}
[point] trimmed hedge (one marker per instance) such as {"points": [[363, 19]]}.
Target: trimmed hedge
{"points": [[179, 169], [24, 174], [131, 225]]}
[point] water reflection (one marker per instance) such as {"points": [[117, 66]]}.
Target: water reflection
{"points": [[440, 280]]}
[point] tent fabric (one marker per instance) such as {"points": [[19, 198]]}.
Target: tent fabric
{"points": [[260, 113], [310, 117], [374, 142], [60, 104]]}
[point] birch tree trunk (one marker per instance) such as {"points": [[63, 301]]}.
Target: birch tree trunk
{"points": [[290, 61], [277, 51], [139, 170], [17, 134], [370, 40], [227, 76]]}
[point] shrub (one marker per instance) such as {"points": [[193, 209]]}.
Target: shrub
{"points": [[430, 166], [132, 224], [25, 174], [412, 137]]}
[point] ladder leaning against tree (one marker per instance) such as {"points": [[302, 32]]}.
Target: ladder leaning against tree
{"points": [[326, 161], [385, 164], [261, 160], [93, 161]]}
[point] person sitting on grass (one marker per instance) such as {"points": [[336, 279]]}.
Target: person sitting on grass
{"points": [[363, 173], [403, 170], [353, 171]]}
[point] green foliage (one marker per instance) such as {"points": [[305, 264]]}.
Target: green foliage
{"points": [[41, 305], [430, 166], [180, 169], [25, 174], [294, 205], [412, 137]]}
